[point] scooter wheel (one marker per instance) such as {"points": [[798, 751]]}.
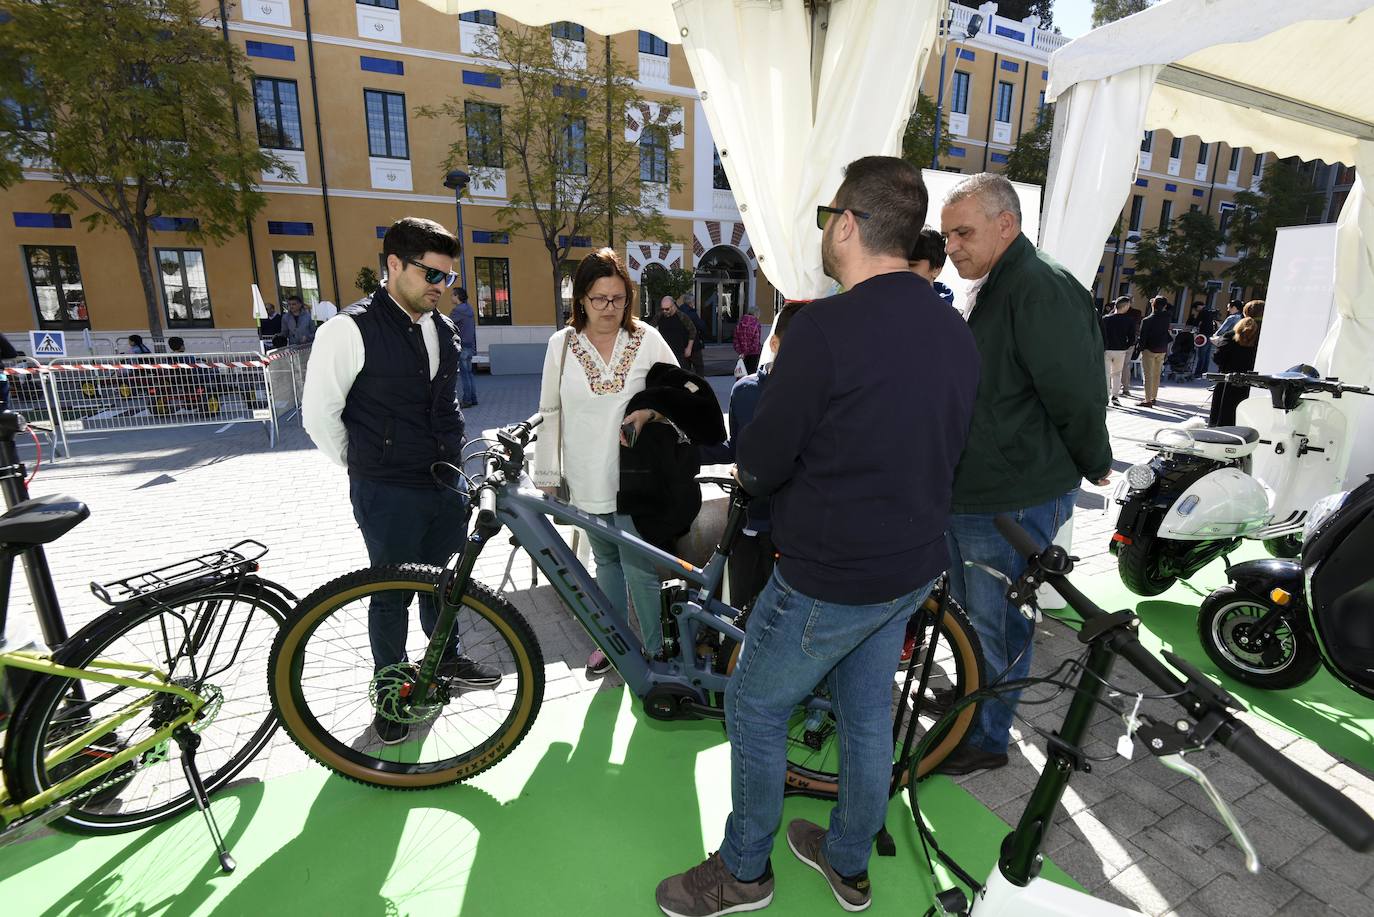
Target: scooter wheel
{"points": [[1143, 567], [1287, 657]]}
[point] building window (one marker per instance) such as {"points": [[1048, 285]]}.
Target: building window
{"points": [[386, 124], [959, 103], [1259, 165], [1137, 205], [1004, 94], [1176, 148], [570, 31], [575, 147], [483, 123], [493, 290], [1224, 223], [1040, 107], [279, 114], [649, 43], [1204, 152], [1147, 142], [55, 278], [653, 155], [1166, 213], [298, 274], [1235, 160], [25, 116], [481, 17], [185, 291], [719, 181], [566, 271], [384, 4]]}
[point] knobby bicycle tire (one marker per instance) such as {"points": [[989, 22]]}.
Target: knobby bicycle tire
{"points": [[956, 632], [50, 707], [346, 756]]}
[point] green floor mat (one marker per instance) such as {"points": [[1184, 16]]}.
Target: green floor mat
{"points": [[595, 807]]}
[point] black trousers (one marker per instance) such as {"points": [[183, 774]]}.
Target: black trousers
{"points": [[750, 566], [1225, 400]]}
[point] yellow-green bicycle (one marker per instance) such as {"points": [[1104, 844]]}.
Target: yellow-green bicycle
{"points": [[148, 709]]}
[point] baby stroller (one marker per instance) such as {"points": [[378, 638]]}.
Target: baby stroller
{"points": [[1182, 356]]}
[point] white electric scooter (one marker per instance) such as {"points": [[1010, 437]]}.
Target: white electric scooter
{"points": [[1209, 487]]}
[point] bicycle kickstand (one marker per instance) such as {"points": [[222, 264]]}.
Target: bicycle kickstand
{"points": [[189, 742]]}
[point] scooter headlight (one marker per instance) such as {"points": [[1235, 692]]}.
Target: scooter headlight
{"points": [[1322, 509], [1140, 477]]}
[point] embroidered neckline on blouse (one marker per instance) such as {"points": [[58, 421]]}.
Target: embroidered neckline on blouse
{"points": [[603, 380]]}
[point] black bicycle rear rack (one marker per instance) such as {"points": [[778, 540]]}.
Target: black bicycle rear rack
{"points": [[238, 558]]}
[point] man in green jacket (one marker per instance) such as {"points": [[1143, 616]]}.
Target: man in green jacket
{"points": [[1039, 427]]}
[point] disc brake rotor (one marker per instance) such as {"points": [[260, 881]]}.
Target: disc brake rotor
{"points": [[394, 691], [1271, 653]]}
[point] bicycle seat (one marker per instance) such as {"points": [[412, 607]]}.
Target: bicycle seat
{"points": [[1230, 436], [41, 520]]}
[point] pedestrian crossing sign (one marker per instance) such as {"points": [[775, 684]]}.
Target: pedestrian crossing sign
{"points": [[48, 343]]}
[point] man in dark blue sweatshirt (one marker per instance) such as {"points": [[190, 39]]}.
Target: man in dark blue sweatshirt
{"points": [[856, 438]]}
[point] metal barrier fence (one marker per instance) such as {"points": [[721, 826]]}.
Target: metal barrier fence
{"points": [[26, 390], [286, 380]]}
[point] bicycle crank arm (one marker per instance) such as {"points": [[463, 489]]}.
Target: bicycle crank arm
{"points": [[1176, 763]]}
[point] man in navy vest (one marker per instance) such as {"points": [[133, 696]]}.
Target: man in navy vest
{"points": [[379, 400]]}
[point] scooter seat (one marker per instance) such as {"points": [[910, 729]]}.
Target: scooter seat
{"points": [[1230, 436]]}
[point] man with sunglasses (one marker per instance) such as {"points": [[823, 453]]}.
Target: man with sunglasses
{"points": [[380, 400]]}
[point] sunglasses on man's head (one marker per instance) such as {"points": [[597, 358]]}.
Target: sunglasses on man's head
{"points": [[434, 275], [823, 215]]}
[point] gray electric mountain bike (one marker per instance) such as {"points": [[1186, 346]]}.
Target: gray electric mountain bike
{"points": [[327, 692]]}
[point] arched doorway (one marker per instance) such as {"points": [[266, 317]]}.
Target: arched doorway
{"points": [[722, 290]]}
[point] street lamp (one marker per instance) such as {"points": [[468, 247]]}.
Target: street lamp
{"points": [[458, 180], [975, 22]]}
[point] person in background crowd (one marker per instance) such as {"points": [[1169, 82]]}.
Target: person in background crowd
{"points": [[270, 327], [592, 369], [927, 260], [1236, 354], [1204, 323], [677, 330], [1234, 314], [860, 486], [297, 324], [1118, 337], [7, 352], [748, 343], [176, 345], [688, 308], [1136, 318], [1039, 429], [381, 400], [136, 344], [751, 562], [1154, 347], [466, 319]]}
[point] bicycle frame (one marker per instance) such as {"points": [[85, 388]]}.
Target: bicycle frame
{"points": [[43, 665]]}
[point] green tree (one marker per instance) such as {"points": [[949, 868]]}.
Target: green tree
{"points": [[1029, 160], [1020, 9], [658, 281], [132, 108], [561, 139], [1105, 11], [1282, 200], [367, 281], [1174, 257], [918, 140]]}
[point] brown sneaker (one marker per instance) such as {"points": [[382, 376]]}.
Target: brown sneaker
{"points": [[807, 841], [709, 890]]}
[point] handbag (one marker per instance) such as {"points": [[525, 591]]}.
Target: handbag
{"points": [[563, 493]]}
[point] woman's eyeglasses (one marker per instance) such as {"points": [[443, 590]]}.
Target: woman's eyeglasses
{"points": [[823, 215], [434, 275], [602, 303]]}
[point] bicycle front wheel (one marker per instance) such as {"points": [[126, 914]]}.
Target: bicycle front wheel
{"points": [[953, 659], [213, 643], [329, 693]]}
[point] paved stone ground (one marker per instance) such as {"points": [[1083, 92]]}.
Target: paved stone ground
{"points": [[1134, 833]]}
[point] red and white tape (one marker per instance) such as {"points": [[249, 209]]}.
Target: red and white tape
{"points": [[113, 367]]}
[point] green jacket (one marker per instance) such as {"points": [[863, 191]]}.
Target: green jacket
{"points": [[1040, 420]]}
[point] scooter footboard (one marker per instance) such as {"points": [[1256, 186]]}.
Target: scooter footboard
{"points": [[1042, 898]]}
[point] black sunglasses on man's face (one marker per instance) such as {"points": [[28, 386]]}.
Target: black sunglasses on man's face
{"points": [[823, 215], [434, 275]]}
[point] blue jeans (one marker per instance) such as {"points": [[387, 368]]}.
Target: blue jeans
{"points": [[465, 374], [1002, 629], [791, 645], [617, 569], [405, 525], [1204, 357]]}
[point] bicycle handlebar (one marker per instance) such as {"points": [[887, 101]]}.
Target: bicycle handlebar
{"points": [[1335, 812], [1274, 380]]}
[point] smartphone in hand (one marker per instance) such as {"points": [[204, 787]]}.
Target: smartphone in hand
{"points": [[628, 432]]}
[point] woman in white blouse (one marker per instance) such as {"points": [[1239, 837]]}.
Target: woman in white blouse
{"points": [[592, 369]]}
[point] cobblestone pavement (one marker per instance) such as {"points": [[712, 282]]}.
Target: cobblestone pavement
{"points": [[1134, 833]]}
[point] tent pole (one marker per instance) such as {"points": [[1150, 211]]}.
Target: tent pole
{"points": [[820, 22]]}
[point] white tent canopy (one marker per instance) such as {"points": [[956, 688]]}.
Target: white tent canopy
{"points": [[792, 93], [1274, 75]]}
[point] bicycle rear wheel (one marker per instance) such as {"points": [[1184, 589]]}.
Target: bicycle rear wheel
{"points": [[214, 643], [954, 662], [327, 692]]}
